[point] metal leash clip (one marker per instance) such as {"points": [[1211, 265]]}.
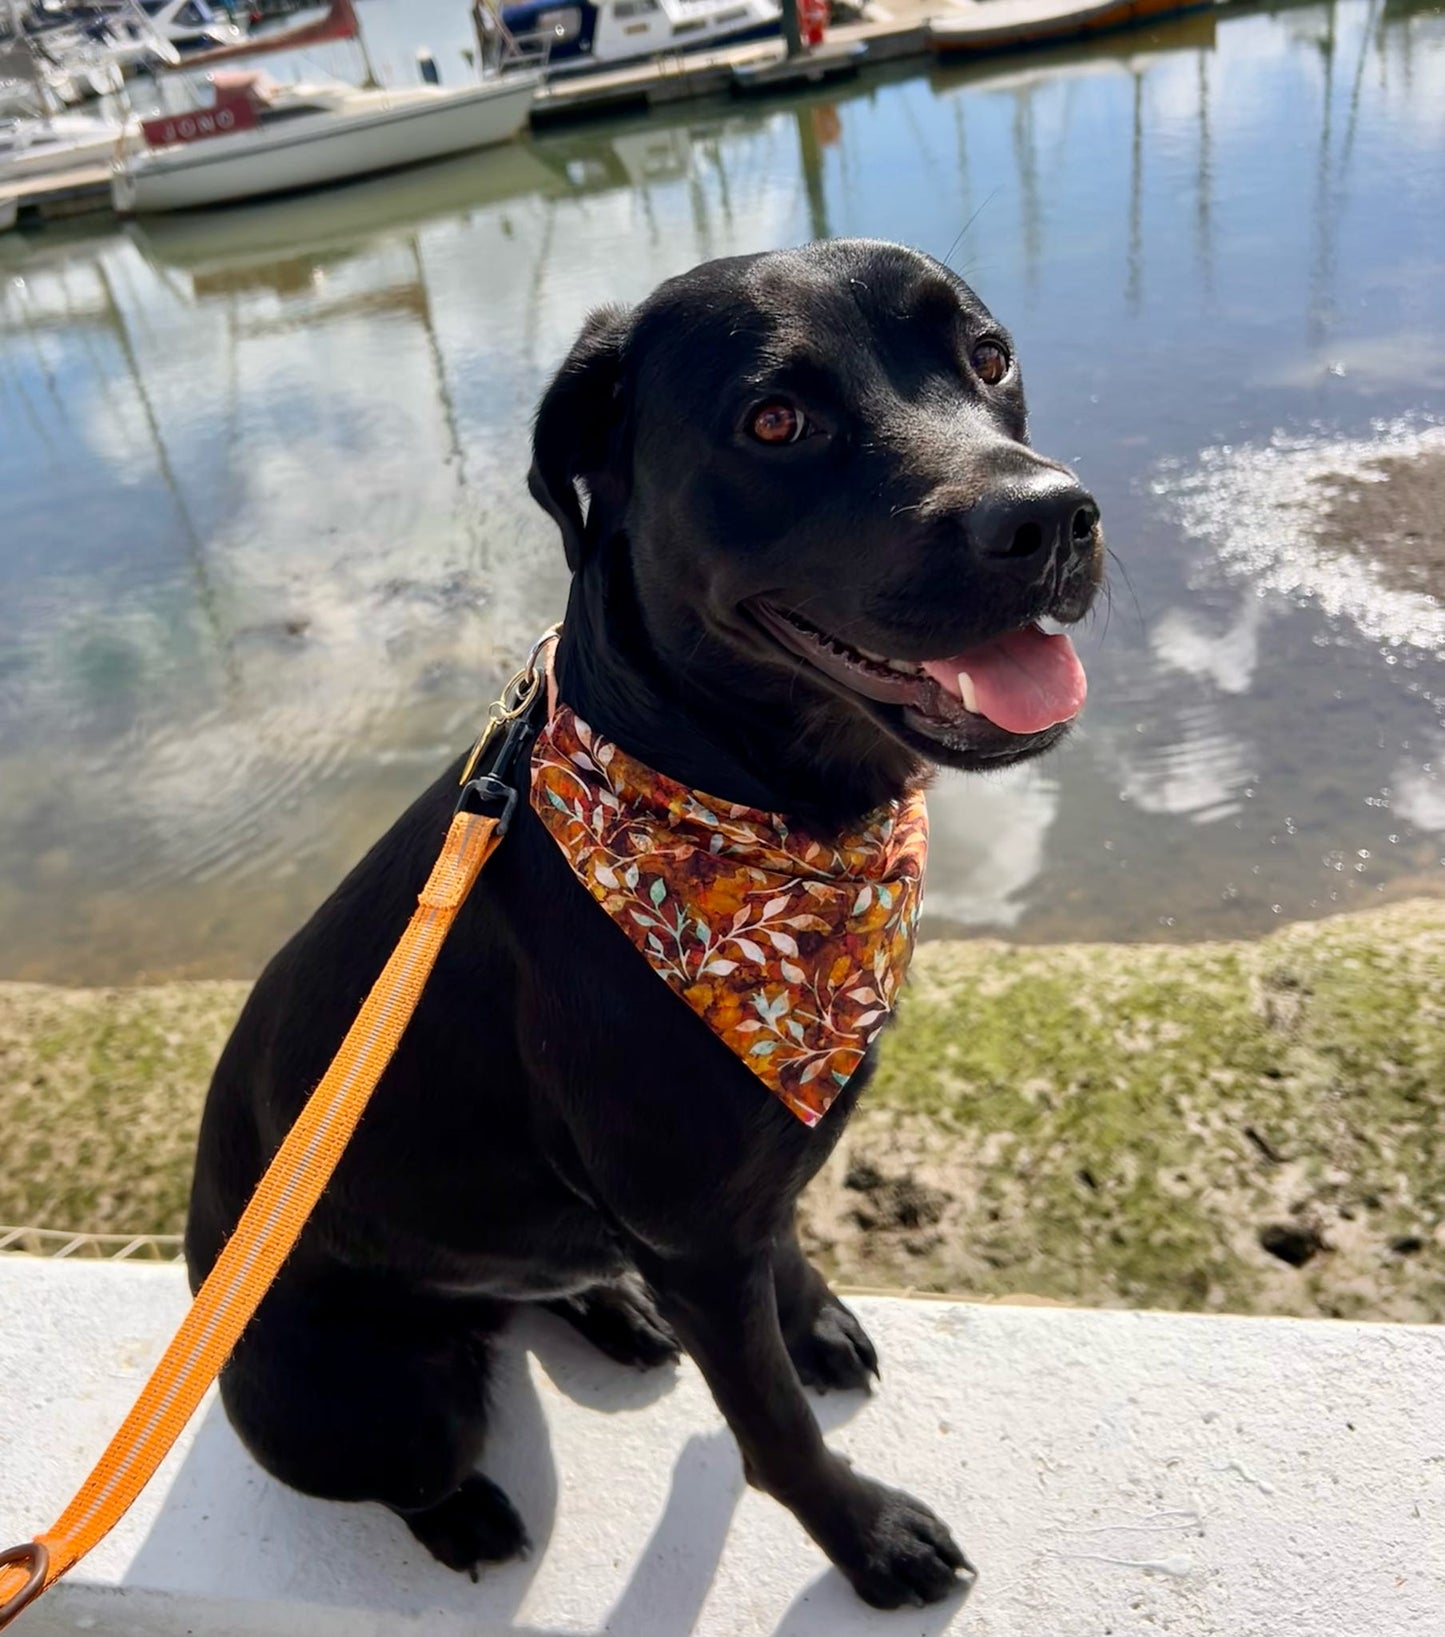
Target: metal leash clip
{"points": [[491, 790]]}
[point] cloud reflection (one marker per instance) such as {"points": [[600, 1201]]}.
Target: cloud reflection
{"points": [[988, 837], [1188, 766]]}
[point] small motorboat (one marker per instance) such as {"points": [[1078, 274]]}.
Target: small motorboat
{"points": [[188, 25], [258, 138], [602, 33], [981, 26]]}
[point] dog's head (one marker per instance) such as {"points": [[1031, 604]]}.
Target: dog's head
{"points": [[816, 463]]}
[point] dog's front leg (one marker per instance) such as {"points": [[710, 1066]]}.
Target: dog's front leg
{"points": [[892, 1548]]}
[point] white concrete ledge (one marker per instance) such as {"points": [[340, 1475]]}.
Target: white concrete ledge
{"points": [[1110, 1473]]}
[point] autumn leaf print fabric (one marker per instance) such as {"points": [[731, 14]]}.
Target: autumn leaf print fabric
{"points": [[790, 946]]}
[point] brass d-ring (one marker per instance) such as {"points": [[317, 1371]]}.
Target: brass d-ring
{"points": [[35, 1556]]}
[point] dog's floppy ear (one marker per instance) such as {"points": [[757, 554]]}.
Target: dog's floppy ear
{"points": [[576, 431]]}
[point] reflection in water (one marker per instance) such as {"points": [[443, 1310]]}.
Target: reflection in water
{"points": [[267, 548], [1261, 511], [1186, 641], [995, 842], [1419, 796], [1188, 766]]}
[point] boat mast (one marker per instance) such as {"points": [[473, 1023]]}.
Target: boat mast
{"points": [[24, 55], [371, 82]]}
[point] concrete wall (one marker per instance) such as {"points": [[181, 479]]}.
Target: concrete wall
{"points": [[1112, 1474]]}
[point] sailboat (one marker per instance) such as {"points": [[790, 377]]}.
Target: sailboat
{"points": [[257, 138]]}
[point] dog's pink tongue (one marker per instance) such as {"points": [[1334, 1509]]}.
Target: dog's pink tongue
{"points": [[1023, 681]]}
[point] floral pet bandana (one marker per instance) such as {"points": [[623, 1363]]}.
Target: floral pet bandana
{"points": [[791, 948]]}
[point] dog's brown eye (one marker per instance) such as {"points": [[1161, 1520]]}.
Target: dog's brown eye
{"points": [[990, 362], [777, 422]]}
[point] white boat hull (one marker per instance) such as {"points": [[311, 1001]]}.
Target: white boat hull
{"points": [[373, 131]]}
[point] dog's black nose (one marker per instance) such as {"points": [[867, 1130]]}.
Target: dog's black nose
{"points": [[1033, 519]]}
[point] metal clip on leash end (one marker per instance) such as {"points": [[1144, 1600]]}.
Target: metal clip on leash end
{"points": [[517, 697], [491, 794], [34, 1557]]}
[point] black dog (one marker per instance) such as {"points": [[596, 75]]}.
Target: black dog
{"points": [[805, 479]]}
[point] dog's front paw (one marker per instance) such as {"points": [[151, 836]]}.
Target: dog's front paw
{"points": [[834, 1351], [897, 1551], [621, 1320], [475, 1524]]}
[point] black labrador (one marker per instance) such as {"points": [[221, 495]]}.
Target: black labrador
{"points": [[787, 485]]}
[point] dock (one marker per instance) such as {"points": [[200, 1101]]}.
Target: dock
{"points": [[55, 196], [891, 31]]}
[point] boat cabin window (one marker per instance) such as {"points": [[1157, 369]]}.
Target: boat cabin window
{"points": [[195, 14], [634, 8], [563, 23]]}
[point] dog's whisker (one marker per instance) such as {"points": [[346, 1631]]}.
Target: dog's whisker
{"points": [[962, 233], [1129, 586]]}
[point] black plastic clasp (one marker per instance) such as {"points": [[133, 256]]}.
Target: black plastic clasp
{"points": [[489, 798], [492, 794]]}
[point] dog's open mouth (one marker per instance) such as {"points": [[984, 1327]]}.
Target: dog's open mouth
{"points": [[1023, 681]]}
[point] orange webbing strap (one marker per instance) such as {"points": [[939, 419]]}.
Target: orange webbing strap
{"points": [[268, 1228]]}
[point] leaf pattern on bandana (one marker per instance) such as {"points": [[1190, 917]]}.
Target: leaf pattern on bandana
{"points": [[790, 946]]}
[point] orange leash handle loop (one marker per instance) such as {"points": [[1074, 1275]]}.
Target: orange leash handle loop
{"points": [[265, 1235]]}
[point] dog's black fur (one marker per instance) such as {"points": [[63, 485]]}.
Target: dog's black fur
{"points": [[557, 1126]]}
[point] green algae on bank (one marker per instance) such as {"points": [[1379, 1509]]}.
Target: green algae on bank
{"points": [[1132, 1125], [1121, 1125], [100, 1095]]}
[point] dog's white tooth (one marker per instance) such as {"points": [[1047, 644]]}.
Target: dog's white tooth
{"points": [[906, 666], [967, 692]]}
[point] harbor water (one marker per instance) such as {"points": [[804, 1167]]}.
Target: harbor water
{"points": [[266, 547]]}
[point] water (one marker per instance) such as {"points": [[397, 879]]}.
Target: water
{"points": [[266, 549]]}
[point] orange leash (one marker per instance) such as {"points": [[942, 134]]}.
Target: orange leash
{"points": [[288, 1192]]}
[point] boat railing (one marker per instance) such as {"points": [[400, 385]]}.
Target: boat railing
{"points": [[530, 51], [504, 52]]}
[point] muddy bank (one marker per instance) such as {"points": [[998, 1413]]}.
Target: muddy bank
{"points": [[1258, 1127], [1252, 1127], [1388, 511]]}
